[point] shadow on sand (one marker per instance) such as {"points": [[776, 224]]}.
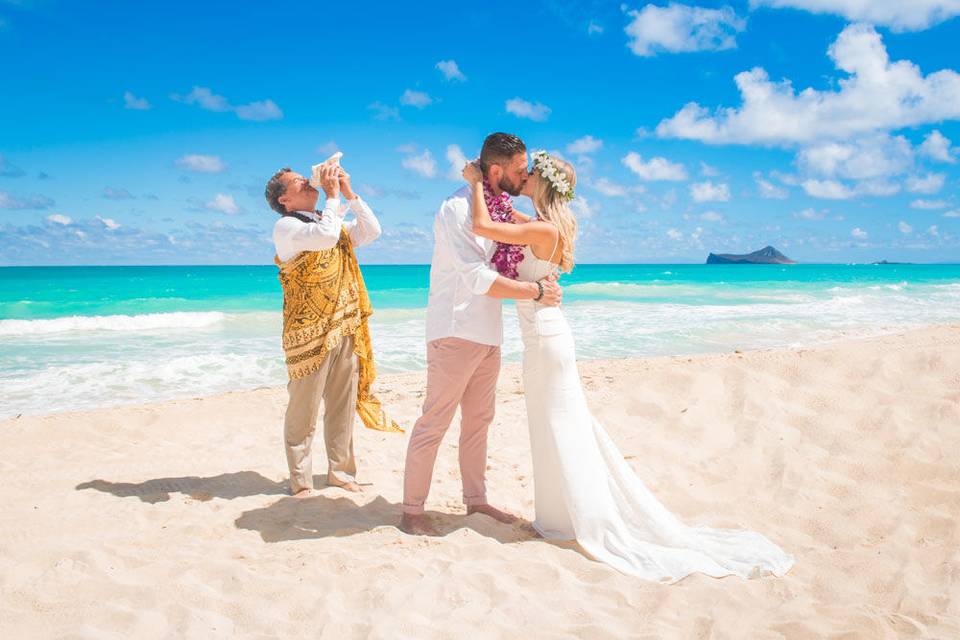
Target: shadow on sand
{"points": [[323, 516], [319, 516], [226, 485]]}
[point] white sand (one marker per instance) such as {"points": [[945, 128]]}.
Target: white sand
{"points": [[171, 519]]}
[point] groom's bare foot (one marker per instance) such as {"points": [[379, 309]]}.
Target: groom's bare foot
{"points": [[496, 514], [303, 493], [417, 524]]}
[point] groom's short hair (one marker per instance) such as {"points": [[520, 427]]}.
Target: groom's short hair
{"points": [[499, 147]]}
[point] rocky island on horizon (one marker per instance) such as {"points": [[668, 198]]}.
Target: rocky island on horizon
{"points": [[767, 255]]}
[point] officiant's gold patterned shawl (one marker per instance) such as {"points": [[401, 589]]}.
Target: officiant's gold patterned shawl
{"points": [[324, 301]]}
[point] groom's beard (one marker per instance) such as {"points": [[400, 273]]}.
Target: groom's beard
{"points": [[513, 189]]}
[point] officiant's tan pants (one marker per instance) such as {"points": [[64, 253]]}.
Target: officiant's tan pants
{"points": [[335, 382], [464, 373]]}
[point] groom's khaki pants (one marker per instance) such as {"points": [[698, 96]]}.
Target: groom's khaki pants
{"points": [[464, 373], [336, 383]]}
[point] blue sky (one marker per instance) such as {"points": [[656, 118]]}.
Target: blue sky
{"points": [[143, 133]]}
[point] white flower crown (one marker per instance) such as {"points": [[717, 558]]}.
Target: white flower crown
{"points": [[543, 163]]}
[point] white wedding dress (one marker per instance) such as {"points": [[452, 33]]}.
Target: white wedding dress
{"points": [[585, 490]]}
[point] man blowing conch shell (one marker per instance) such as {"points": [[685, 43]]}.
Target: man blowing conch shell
{"points": [[326, 340]]}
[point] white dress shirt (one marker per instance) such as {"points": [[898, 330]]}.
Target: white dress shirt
{"points": [[460, 275], [292, 236]]}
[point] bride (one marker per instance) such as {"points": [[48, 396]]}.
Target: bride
{"points": [[584, 490]]}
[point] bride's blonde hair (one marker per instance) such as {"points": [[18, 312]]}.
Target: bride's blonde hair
{"points": [[554, 207]]}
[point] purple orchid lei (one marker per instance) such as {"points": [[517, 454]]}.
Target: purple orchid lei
{"points": [[506, 256]]}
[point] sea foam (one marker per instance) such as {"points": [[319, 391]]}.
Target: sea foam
{"points": [[149, 321]]}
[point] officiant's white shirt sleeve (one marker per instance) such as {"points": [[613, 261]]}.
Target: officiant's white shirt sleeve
{"points": [[365, 228], [292, 236], [468, 255]]}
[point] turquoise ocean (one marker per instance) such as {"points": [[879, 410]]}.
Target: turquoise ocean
{"points": [[82, 337]]}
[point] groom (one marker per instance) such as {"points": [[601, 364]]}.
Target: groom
{"points": [[464, 332]]}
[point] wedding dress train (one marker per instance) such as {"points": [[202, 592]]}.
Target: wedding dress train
{"points": [[585, 490]]}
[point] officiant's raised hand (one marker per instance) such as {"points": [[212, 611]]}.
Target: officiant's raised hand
{"points": [[345, 187], [330, 180]]}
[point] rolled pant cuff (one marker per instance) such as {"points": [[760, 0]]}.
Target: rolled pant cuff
{"points": [[473, 501], [412, 509]]}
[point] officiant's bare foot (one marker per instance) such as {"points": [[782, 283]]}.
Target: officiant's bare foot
{"points": [[303, 493], [417, 524], [496, 514], [349, 486]]}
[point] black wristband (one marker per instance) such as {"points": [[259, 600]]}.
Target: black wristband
{"points": [[539, 295]]}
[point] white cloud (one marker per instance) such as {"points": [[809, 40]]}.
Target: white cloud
{"points": [[929, 183], [710, 192], [768, 190], [131, 101], [829, 189], [201, 164], [328, 148], [868, 157], [899, 15], [609, 188], [222, 203], [681, 28], [711, 216], [208, 100], [205, 99], [955, 213], [878, 95], [674, 234], [904, 227], [418, 99], [654, 169], [586, 144], [786, 178], [937, 147], [8, 201], [594, 28], [422, 164], [928, 204], [117, 194], [58, 218], [708, 171], [384, 112], [859, 233], [810, 214], [836, 190], [878, 187], [582, 208], [523, 109], [933, 230], [458, 160], [450, 70], [109, 223], [259, 111]]}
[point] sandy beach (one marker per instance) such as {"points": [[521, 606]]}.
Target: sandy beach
{"points": [[172, 520]]}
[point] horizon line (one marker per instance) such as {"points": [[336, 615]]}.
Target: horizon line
{"points": [[427, 264]]}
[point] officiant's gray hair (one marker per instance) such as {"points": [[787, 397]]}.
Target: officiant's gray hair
{"points": [[499, 147], [274, 189]]}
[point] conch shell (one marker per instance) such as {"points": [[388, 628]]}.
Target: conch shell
{"points": [[315, 175]]}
